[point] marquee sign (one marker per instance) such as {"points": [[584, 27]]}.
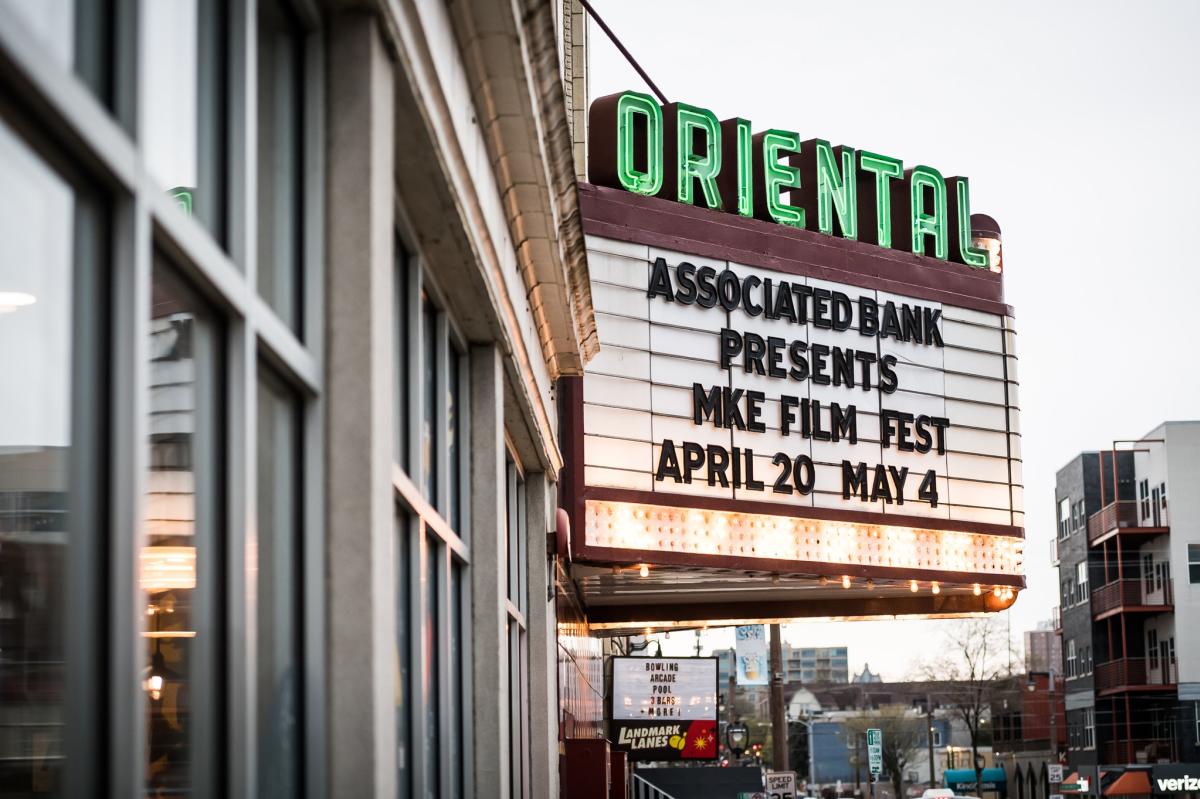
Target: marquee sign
{"points": [[664, 708], [788, 394], [681, 152]]}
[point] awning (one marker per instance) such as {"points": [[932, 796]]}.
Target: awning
{"points": [[1131, 783], [993, 778]]}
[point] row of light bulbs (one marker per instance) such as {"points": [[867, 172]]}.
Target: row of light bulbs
{"points": [[623, 525], [1003, 592]]}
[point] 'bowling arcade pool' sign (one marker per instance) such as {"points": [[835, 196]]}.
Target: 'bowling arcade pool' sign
{"points": [[834, 394]]}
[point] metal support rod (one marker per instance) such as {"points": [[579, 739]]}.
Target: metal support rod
{"points": [[662, 98], [779, 748]]}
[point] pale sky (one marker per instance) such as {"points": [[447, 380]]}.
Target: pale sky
{"points": [[1078, 124]]}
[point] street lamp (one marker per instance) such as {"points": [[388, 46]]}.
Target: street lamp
{"points": [[736, 737]]}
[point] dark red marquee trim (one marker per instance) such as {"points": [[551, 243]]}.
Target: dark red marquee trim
{"points": [[625, 216]]}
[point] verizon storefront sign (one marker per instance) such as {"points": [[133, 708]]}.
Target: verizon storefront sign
{"points": [[664, 708]]}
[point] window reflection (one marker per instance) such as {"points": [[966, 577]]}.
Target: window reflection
{"points": [[36, 207], [183, 74], [429, 431], [280, 126], [177, 564], [279, 675]]}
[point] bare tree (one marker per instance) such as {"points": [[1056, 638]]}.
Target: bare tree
{"points": [[902, 739], [973, 667]]}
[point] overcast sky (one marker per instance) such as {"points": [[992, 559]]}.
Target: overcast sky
{"points": [[1079, 127]]}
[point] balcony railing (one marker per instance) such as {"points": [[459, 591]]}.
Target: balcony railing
{"points": [[1123, 515], [1132, 673], [1129, 594]]}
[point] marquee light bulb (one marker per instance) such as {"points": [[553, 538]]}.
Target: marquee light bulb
{"points": [[976, 590], [935, 588], [644, 570], [845, 581], [912, 586]]}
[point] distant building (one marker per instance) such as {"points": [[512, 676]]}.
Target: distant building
{"points": [[1043, 651], [866, 676], [816, 665]]}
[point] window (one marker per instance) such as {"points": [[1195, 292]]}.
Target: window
{"points": [[1193, 552], [937, 736], [53, 537], [181, 564], [518, 646], [280, 159], [1162, 495], [74, 34], [1064, 516], [403, 655], [1144, 497], [1152, 647], [280, 677], [1072, 662], [1089, 728], [1148, 572], [433, 718], [1081, 577], [183, 63]]}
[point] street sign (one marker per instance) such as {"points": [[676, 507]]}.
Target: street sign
{"points": [[1074, 787], [781, 785], [875, 750], [1056, 796], [1054, 772]]}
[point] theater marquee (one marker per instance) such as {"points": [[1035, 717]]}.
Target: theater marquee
{"points": [[788, 422]]}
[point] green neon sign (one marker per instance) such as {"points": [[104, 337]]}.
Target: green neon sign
{"points": [[684, 153]]}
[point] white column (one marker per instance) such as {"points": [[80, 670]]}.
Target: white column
{"points": [[360, 509], [488, 575]]}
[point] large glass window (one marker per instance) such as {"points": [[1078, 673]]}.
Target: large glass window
{"points": [[76, 34], [404, 698], [280, 158], [432, 578], [37, 209], [1193, 553], [183, 64], [181, 564], [518, 645], [280, 678]]}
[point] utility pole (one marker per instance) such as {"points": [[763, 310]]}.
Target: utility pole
{"points": [[729, 703], [779, 748], [929, 736]]}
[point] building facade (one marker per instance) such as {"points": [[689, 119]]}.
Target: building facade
{"points": [[1125, 568], [809, 664], [285, 292]]}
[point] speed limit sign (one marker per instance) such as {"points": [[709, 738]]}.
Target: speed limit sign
{"points": [[781, 785]]}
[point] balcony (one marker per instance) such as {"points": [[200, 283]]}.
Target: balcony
{"points": [[1132, 675], [1130, 596], [1125, 517]]}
